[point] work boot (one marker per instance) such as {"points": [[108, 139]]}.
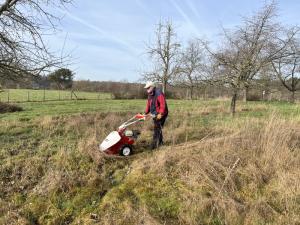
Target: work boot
{"points": [[152, 147], [155, 145], [161, 143]]}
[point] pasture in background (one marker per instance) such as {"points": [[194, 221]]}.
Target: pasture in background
{"points": [[31, 95]]}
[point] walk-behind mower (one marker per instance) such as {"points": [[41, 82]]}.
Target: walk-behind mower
{"points": [[121, 141]]}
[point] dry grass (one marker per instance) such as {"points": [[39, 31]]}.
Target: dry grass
{"points": [[213, 170], [249, 177]]}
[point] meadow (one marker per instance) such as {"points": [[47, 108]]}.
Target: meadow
{"points": [[213, 169], [31, 95]]}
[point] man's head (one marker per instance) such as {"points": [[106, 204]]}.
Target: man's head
{"points": [[150, 86]]}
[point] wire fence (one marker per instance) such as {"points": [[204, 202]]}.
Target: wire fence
{"points": [[29, 95], [33, 95]]}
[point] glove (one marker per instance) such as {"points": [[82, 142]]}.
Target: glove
{"points": [[159, 116]]}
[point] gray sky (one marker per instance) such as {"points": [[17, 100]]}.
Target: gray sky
{"points": [[108, 38]]}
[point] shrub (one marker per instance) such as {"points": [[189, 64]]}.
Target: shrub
{"points": [[5, 108]]}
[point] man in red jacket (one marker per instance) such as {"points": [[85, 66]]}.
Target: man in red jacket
{"points": [[157, 106]]}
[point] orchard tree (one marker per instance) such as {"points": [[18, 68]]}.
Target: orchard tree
{"points": [[287, 68], [249, 48], [164, 53], [192, 67]]}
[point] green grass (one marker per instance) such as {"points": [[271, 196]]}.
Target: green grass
{"points": [[26, 95], [58, 108], [220, 108]]}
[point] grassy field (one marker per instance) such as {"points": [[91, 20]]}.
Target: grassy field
{"points": [[26, 95], [58, 108], [213, 169]]}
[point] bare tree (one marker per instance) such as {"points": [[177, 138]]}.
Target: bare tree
{"points": [[287, 68], [191, 67], [165, 55], [249, 48], [23, 25]]}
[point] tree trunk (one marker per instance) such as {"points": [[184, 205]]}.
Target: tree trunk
{"points": [[233, 102], [164, 87], [191, 92], [293, 97]]}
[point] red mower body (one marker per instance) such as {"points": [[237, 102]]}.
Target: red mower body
{"points": [[121, 142], [124, 141]]}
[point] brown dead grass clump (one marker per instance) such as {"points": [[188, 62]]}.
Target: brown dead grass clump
{"points": [[7, 108]]}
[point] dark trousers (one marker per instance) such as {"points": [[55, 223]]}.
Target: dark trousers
{"points": [[157, 132]]}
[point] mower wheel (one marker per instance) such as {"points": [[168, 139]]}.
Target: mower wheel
{"points": [[126, 150]]}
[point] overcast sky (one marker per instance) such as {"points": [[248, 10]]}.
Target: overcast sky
{"points": [[108, 38]]}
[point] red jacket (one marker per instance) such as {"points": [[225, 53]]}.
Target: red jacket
{"points": [[160, 103]]}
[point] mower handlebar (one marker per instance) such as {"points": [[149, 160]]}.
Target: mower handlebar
{"points": [[144, 116], [138, 117]]}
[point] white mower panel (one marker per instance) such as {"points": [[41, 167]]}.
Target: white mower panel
{"points": [[112, 139]]}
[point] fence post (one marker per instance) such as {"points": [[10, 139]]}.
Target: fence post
{"points": [[71, 95], [44, 97], [28, 96], [58, 94], [7, 95]]}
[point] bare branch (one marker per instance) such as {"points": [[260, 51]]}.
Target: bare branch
{"points": [[165, 54], [22, 28], [249, 48]]}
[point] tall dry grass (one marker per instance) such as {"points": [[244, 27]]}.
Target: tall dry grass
{"points": [[251, 176], [229, 171]]}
